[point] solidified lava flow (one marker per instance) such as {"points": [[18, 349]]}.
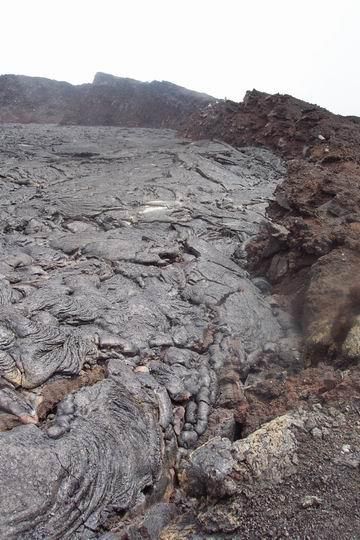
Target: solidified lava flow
{"points": [[129, 324], [179, 319], [311, 250]]}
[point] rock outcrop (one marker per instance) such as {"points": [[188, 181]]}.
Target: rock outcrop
{"points": [[311, 253], [292, 478]]}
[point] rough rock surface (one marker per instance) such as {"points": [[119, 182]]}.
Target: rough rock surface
{"points": [[296, 477], [307, 256], [311, 252], [125, 323], [108, 101]]}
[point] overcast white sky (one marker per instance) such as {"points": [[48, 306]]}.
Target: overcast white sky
{"points": [[308, 48]]}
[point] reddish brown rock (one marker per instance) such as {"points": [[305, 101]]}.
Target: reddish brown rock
{"points": [[314, 267]]}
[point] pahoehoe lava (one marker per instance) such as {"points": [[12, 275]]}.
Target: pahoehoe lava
{"points": [[123, 255]]}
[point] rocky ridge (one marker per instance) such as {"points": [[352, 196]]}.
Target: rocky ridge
{"points": [[107, 101], [310, 251]]}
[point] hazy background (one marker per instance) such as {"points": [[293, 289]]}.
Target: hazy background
{"points": [[308, 48]]}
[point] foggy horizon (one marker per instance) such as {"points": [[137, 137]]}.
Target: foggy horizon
{"points": [[306, 50], [166, 81]]}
